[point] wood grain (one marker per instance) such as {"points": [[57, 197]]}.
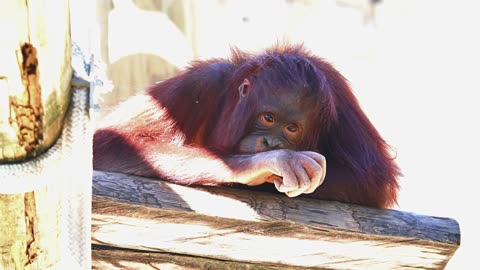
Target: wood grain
{"points": [[110, 258], [247, 226], [29, 229], [35, 75]]}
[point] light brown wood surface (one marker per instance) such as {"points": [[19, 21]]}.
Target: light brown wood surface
{"points": [[263, 229], [35, 75], [29, 229]]}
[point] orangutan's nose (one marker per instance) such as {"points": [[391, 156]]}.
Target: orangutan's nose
{"points": [[272, 143]]}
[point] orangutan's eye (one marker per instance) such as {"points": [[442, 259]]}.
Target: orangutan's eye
{"points": [[268, 117], [292, 128]]}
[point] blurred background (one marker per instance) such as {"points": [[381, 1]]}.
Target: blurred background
{"points": [[413, 64]]}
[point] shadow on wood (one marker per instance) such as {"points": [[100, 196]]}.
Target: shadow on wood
{"points": [[144, 221]]}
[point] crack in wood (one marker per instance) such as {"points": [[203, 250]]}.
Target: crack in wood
{"points": [[26, 112], [31, 249]]}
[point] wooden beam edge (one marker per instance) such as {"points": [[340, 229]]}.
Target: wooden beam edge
{"points": [[261, 206], [105, 257], [190, 221]]}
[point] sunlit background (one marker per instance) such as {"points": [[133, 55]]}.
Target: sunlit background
{"points": [[414, 65]]}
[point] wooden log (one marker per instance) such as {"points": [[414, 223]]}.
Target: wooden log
{"points": [[35, 75], [264, 229]]}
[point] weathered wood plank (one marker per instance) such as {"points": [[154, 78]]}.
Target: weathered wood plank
{"points": [[109, 258], [247, 226]]}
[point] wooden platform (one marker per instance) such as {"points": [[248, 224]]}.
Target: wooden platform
{"points": [[149, 224]]}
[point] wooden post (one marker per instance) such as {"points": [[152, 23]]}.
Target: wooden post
{"points": [[139, 221], [35, 75]]}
